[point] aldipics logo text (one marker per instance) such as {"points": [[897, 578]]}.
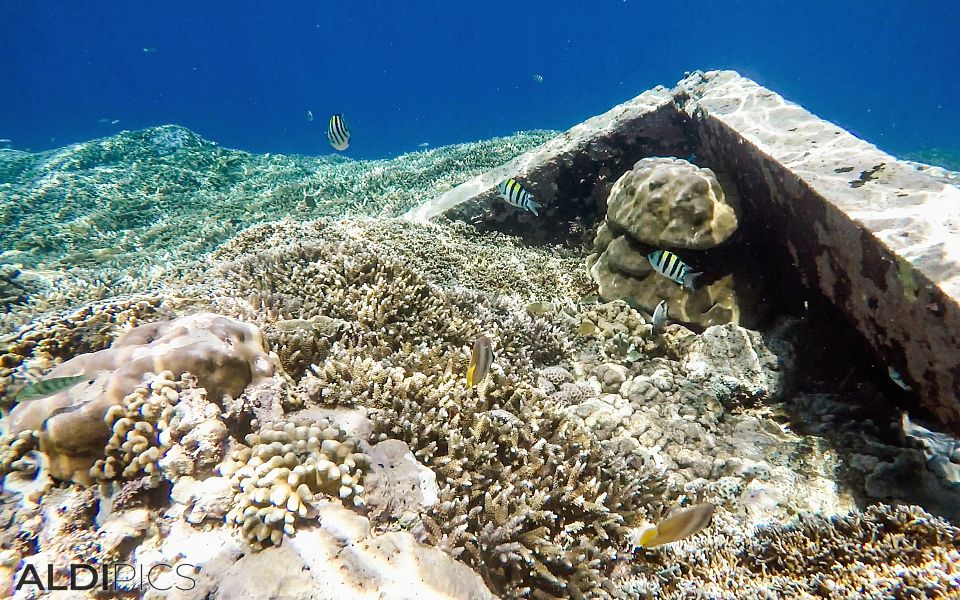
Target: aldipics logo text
{"points": [[107, 577]]}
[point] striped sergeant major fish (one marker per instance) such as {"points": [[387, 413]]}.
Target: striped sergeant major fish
{"points": [[480, 361], [515, 195], [337, 133], [669, 265]]}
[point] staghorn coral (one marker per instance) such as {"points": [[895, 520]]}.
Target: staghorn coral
{"points": [[384, 305], [300, 343], [883, 552], [451, 254], [495, 455], [44, 341], [285, 470]]}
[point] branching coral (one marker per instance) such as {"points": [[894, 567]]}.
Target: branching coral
{"points": [[402, 353], [883, 552], [520, 484], [140, 430], [284, 469]]}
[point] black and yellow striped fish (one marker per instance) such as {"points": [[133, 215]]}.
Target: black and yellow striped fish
{"points": [[49, 387], [337, 133], [480, 360], [669, 265], [515, 195]]}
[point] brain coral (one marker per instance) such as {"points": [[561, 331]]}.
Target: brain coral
{"points": [[224, 355], [671, 203]]}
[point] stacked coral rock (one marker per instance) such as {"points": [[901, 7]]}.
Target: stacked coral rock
{"points": [[665, 204]]}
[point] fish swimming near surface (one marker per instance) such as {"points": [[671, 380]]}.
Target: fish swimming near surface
{"points": [[679, 525], [480, 360], [538, 78], [338, 133], [309, 116], [660, 317], [49, 387], [669, 265], [515, 195]]}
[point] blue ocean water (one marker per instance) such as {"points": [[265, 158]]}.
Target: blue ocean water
{"points": [[245, 73]]}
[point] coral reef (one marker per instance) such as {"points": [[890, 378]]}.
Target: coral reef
{"points": [[75, 425], [665, 203], [284, 469], [132, 208], [883, 552], [317, 432]]}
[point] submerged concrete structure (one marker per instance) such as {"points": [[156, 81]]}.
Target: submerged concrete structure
{"points": [[876, 237]]}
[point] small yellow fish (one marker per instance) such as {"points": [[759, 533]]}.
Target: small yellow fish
{"points": [[480, 360], [587, 327], [49, 387], [679, 525], [538, 309]]}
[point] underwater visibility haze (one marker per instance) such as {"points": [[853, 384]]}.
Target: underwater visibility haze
{"points": [[492, 300]]}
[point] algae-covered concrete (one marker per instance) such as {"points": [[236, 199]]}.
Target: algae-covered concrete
{"points": [[570, 175], [875, 235]]}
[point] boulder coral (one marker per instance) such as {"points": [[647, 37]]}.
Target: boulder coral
{"points": [[75, 425], [669, 204]]}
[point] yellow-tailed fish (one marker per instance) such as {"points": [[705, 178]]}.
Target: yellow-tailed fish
{"points": [[49, 387], [515, 195], [480, 360], [679, 525], [669, 265], [337, 133]]}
